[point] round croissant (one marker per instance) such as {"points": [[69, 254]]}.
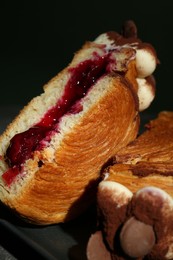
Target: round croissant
{"points": [[57, 179]]}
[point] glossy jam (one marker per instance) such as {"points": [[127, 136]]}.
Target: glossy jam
{"points": [[81, 80], [10, 175], [22, 145]]}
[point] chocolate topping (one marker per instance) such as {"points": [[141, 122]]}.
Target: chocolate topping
{"points": [[129, 29], [134, 41], [143, 169], [120, 40], [143, 230], [129, 35]]}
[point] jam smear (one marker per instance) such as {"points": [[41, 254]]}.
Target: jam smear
{"points": [[10, 175], [82, 78], [22, 145]]}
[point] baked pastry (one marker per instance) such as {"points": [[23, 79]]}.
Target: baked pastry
{"points": [[132, 225], [52, 153], [135, 201], [147, 160]]}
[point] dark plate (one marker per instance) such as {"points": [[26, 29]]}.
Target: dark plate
{"points": [[61, 241]]}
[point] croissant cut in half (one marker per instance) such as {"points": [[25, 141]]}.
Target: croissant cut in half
{"points": [[53, 151]]}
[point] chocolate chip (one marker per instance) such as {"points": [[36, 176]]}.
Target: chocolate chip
{"points": [[137, 238]]}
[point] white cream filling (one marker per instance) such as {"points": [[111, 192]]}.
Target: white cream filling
{"points": [[145, 93], [145, 62]]}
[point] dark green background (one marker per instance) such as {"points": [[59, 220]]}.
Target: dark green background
{"points": [[39, 38]]}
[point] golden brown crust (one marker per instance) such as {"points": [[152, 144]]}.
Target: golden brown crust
{"points": [[131, 75], [59, 191], [124, 174], [63, 188], [148, 160]]}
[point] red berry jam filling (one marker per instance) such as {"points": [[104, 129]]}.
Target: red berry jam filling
{"points": [[82, 78]]}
